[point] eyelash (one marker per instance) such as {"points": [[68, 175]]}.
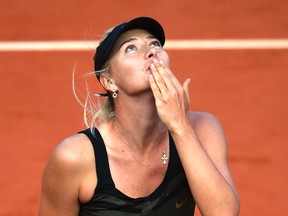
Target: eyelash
{"points": [[128, 47], [157, 42], [152, 44]]}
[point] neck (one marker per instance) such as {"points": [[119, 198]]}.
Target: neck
{"points": [[139, 125]]}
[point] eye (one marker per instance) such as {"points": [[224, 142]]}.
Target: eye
{"points": [[130, 48], [156, 43]]}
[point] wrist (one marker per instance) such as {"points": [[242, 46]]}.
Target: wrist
{"points": [[182, 129]]}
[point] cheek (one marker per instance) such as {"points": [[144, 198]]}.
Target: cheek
{"points": [[165, 58], [117, 67], [120, 70]]}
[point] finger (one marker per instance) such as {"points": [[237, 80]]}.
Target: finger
{"points": [[169, 76], [158, 80], [164, 73], [186, 89], [155, 90]]}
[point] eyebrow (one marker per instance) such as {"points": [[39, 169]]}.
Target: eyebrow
{"points": [[134, 39], [127, 41]]}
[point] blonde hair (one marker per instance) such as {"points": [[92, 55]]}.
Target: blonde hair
{"points": [[95, 111]]}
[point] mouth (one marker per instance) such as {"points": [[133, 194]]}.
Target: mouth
{"points": [[147, 67], [148, 64]]}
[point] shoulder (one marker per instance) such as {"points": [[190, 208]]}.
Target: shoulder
{"points": [[209, 131], [67, 176], [71, 159], [203, 117], [204, 121], [70, 162], [72, 151], [71, 167]]}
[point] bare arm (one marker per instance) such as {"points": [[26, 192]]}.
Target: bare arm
{"points": [[200, 143], [203, 153], [62, 179]]}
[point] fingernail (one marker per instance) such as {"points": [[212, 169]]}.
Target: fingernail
{"points": [[152, 65], [161, 62], [155, 61]]}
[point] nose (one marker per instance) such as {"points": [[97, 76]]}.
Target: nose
{"points": [[151, 52]]}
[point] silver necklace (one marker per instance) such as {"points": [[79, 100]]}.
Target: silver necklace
{"points": [[164, 156]]}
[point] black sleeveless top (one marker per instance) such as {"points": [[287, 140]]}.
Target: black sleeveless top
{"points": [[172, 197]]}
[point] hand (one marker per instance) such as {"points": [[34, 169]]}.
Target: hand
{"points": [[171, 98]]}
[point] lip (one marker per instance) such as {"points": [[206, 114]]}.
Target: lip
{"points": [[148, 64], [148, 69]]}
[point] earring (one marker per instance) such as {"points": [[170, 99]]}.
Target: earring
{"points": [[114, 95]]}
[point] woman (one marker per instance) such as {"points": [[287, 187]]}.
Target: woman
{"points": [[145, 153]]}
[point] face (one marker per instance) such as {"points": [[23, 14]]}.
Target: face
{"points": [[131, 58]]}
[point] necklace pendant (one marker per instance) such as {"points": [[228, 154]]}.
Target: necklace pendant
{"points": [[164, 158]]}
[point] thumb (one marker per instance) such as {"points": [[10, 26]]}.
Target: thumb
{"points": [[186, 88]]}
